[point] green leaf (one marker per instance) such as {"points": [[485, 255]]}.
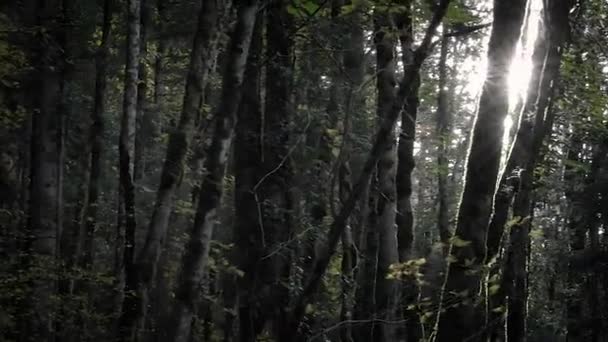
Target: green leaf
{"points": [[499, 309], [458, 242]]}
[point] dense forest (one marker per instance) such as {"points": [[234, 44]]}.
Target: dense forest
{"points": [[303, 170]]}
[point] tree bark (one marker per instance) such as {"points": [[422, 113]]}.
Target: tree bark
{"points": [[194, 261], [95, 138], [443, 142], [143, 112], [43, 228], [385, 206], [576, 232], [265, 225], [407, 163], [353, 60], [87, 217], [462, 282], [126, 150], [247, 153], [273, 188]]}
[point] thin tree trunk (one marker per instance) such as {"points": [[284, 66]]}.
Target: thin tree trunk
{"points": [[89, 223], [576, 232], [265, 225], [463, 277], [365, 294], [405, 213], [195, 259], [273, 188], [353, 60], [386, 193], [247, 154], [43, 228], [126, 150], [142, 116], [406, 163], [443, 142]]}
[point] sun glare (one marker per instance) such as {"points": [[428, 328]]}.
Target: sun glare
{"points": [[521, 66], [520, 70]]}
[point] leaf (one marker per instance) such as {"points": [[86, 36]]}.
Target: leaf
{"points": [[335, 152], [512, 222], [536, 234], [310, 6], [419, 262], [347, 9], [458, 242], [458, 14], [499, 309], [494, 289], [332, 132], [303, 8], [291, 9], [309, 309]]}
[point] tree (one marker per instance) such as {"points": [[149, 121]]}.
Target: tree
{"points": [[43, 226], [195, 259], [483, 161], [266, 161], [126, 147]]}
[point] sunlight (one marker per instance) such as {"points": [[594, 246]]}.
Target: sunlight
{"points": [[520, 71], [521, 66]]}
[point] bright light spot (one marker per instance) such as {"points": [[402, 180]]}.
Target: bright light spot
{"points": [[521, 66], [417, 147]]}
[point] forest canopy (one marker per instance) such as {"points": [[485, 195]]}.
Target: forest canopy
{"points": [[303, 170]]}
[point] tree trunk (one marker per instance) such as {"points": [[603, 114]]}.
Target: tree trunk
{"points": [[43, 228], [247, 153], [443, 142], [264, 191], [142, 116], [126, 150], [273, 187], [406, 163], [353, 60], [365, 294], [386, 206], [95, 138], [135, 308], [194, 261], [405, 213], [576, 232], [464, 273]]}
